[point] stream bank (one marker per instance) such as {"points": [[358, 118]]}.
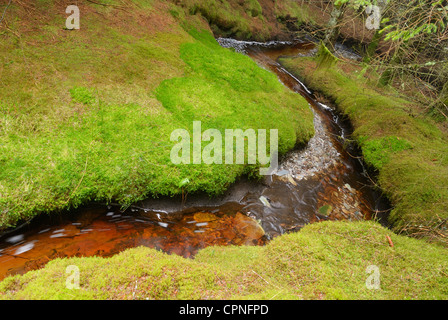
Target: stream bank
{"points": [[400, 143]]}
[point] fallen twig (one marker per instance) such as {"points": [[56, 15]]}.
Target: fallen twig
{"points": [[390, 241], [109, 5]]}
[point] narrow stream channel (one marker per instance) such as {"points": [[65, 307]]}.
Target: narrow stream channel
{"points": [[324, 181]]}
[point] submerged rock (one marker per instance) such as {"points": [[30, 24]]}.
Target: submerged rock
{"points": [[248, 227]]}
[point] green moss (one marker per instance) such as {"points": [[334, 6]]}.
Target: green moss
{"points": [[83, 95], [377, 152], [253, 8], [242, 19], [76, 129], [324, 57], [291, 11]]}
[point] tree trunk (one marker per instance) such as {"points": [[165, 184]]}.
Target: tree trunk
{"points": [[372, 47], [332, 32]]}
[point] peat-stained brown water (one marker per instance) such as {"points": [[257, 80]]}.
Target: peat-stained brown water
{"points": [[321, 182], [106, 231]]}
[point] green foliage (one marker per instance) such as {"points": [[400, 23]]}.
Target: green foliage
{"points": [[228, 90], [422, 17], [226, 67], [184, 182], [289, 10], [245, 19], [325, 210]]}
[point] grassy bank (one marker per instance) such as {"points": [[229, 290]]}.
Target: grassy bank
{"points": [[259, 20], [399, 141], [327, 260], [86, 115]]}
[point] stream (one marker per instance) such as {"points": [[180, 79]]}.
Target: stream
{"points": [[324, 181]]}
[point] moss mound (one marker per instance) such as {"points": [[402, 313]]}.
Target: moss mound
{"points": [[86, 115]]}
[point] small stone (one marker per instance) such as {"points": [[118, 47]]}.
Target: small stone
{"points": [[325, 210], [349, 188], [342, 212], [204, 216], [265, 201], [291, 180], [282, 172], [248, 227]]}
